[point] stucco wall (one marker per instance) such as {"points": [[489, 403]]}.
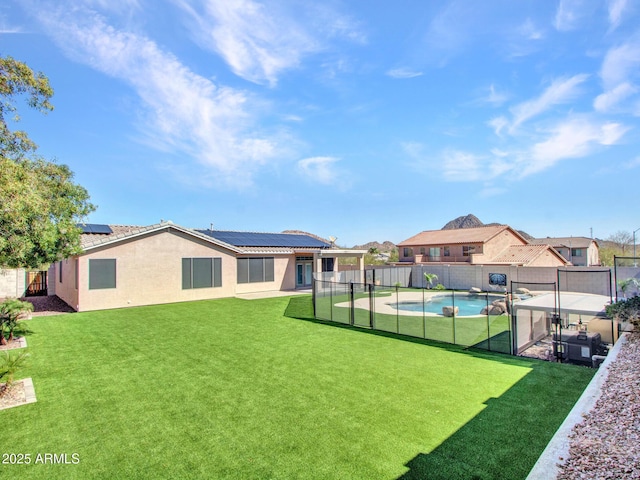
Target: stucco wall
{"points": [[66, 290], [149, 271]]}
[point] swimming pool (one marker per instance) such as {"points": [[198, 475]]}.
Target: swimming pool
{"points": [[468, 305]]}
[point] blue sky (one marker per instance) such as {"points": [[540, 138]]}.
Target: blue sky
{"points": [[363, 120]]}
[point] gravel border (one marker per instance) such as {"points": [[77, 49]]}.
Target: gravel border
{"points": [[600, 438]]}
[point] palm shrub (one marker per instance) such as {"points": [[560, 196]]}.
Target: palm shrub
{"points": [[10, 312], [9, 365], [430, 278]]}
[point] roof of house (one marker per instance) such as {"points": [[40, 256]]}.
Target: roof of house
{"points": [[457, 236], [567, 242], [524, 254], [238, 242], [256, 239]]}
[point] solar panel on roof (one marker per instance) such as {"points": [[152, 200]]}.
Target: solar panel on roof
{"points": [[251, 239], [95, 228]]}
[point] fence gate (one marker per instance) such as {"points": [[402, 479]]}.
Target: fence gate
{"points": [[36, 284], [533, 308]]}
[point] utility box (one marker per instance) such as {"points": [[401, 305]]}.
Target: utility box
{"points": [[577, 346]]}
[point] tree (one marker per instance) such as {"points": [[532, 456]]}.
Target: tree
{"points": [[621, 239], [39, 203]]}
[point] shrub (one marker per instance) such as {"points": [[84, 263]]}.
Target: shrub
{"points": [[439, 287], [626, 310], [9, 365], [10, 312]]}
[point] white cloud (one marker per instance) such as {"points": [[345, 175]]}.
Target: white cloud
{"points": [[462, 166], [403, 73], [569, 14], [573, 138], [606, 101], [183, 112], [620, 63], [259, 42], [498, 124], [529, 31], [562, 90], [616, 9], [635, 163], [495, 97], [320, 169]]}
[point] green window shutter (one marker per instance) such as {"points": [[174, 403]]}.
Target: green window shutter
{"points": [[243, 270], [186, 274], [217, 272], [202, 272], [268, 269], [102, 273]]}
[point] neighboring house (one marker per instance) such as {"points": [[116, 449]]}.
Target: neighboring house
{"points": [[125, 266], [498, 244], [580, 251]]}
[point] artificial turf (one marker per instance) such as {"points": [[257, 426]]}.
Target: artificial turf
{"points": [[258, 389]]}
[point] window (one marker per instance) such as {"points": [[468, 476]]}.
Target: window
{"points": [[576, 252], [255, 270], [446, 252], [434, 252], [201, 273], [467, 250], [102, 273], [422, 250], [407, 252], [328, 264]]}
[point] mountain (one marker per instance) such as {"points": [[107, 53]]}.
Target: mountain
{"points": [[471, 221], [465, 221], [386, 246]]}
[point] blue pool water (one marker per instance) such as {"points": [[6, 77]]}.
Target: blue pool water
{"points": [[467, 305]]}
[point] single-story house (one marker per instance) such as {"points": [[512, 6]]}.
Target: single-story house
{"points": [[580, 251], [123, 266], [490, 245]]}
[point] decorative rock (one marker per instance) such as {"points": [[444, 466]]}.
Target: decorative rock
{"points": [[475, 290], [523, 291], [450, 311], [497, 310]]}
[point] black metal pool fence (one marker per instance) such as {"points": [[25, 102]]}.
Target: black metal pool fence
{"points": [[418, 312], [501, 321]]}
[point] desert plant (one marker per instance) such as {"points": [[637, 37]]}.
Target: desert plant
{"points": [[430, 278], [9, 365], [10, 312], [626, 310], [624, 285]]}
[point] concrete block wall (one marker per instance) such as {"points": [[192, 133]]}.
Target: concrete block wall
{"points": [[12, 283]]}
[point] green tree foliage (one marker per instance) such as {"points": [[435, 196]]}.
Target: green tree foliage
{"points": [[39, 203]]}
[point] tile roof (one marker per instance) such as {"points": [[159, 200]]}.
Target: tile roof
{"points": [[567, 242], [521, 254], [284, 243], [455, 236]]}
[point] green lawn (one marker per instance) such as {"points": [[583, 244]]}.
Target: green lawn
{"points": [[258, 389]]}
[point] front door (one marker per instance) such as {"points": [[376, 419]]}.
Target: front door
{"points": [[304, 274]]}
